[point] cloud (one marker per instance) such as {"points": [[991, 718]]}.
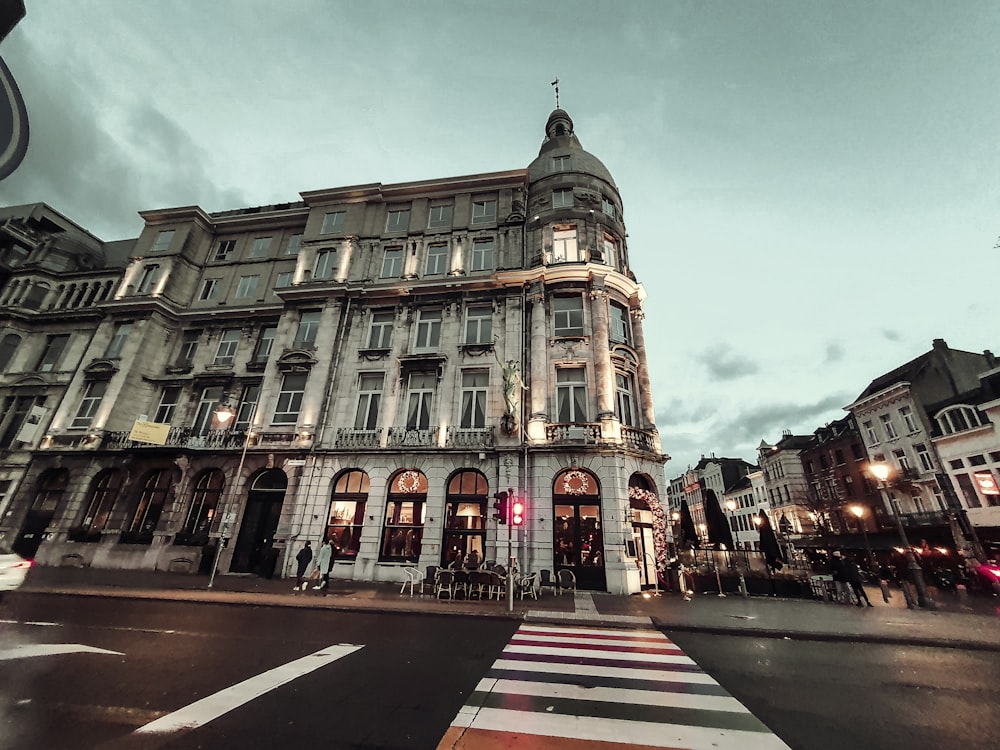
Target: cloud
{"points": [[892, 335], [768, 420], [725, 364], [834, 352]]}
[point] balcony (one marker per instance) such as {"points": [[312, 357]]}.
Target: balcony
{"points": [[357, 439], [403, 436], [573, 434], [643, 440], [924, 518], [178, 437], [469, 437]]}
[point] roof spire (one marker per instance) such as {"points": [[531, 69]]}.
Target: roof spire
{"points": [[556, 84]]}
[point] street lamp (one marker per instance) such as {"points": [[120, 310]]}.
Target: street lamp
{"points": [[223, 414], [881, 471], [731, 507], [859, 513]]}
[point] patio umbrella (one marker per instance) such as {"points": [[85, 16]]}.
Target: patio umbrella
{"points": [[719, 532], [689, 537], [769, 543]]}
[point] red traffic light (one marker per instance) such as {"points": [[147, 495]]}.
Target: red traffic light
{"points": [[517, 513]]}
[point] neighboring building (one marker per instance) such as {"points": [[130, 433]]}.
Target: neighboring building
{"points": [[395, 356], [748, 496], [787, 489], [712, 474]]}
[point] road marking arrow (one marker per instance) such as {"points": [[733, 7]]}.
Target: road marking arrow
{"points": [[51, 649]]}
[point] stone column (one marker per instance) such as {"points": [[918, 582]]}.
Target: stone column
{"points": [[645, 390], [604, 372], [537, 417]]}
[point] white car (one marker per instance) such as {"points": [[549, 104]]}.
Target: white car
{"points": [[13, 569]]}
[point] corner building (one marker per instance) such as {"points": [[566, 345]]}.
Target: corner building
{"points": [[395, 355]]}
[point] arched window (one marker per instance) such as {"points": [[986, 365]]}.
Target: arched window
{"points": [[8, 345], [101, 498], [347, 512], [201, 512], [578, 536], [404, 517], [142, 520], [465, 517], [51, 487], [958, 419]]}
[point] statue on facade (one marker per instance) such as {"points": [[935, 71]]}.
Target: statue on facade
{"points": [[512, 387]]}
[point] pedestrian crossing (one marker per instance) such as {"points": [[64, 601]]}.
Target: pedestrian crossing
{"points": [[558, 687]]}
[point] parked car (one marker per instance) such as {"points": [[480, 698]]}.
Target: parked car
{"points": [[13, 569], [989, 576]]}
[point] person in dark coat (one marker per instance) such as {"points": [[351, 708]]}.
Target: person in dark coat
{"points": [[839, 576], [302, 560], [852, 574]]}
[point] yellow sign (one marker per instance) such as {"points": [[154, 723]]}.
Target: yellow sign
{"points": [[149, 432]]}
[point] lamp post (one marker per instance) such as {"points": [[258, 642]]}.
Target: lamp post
{"points": [[859, 513], [881, 472], [731, 507], [223, 414]]}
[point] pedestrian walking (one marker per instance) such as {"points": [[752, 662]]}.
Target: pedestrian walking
{"points": [[324, 561], [852, 573], [839, 576], [302, 560]]}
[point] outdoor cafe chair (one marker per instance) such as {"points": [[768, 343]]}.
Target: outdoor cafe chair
{"points": [[498, 585], [567, 580], [546, 581], [526, 585], [479, 584], [412, 577], [445, 584], [429, 578]]}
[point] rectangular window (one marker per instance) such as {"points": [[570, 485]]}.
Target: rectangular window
{"points": [[482, 255], [978, 460], [147, 281], [924, 456], [421, 394], [294, 245], [890, 430], [88, 407], [474, 389], [380, 330], [265, 342], [901, 459], [397, 220], [607, 207], [870, 433], [163, 240], [439, 217], [305, 336], [619, 329], [284, 280], [333, 222], [293, 387], [567, 313], [609, 249], [571, 394], [428, 330], [261, 247], [247, 286], [169, 398], [226, 353], [968, 491], [560, 163], [52, 353], [209, 289], [392, 263], [479, 325], [437, 260], [118, 341], [247, 407], [225, 250], [625, 398], [564, 246], [562, 198], [326, 264], [369, 399], [484, 212], [907, 414], [189, 347]]}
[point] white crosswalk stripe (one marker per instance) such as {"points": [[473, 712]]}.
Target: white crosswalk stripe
{"points": [[597, 688]]}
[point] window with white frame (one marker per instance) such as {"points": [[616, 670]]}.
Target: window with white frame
{"points": [[437, 260], [305, 336], [326, 264], [482, 255], [619, 324], [475, 384], [248, 407], [479, 324], [560, 163], [625, 398], [567, 315], [294, 245], [163, 240], [607, 207], [261, 247], [52, 353], [226, 353], [392, 263], [439, 217], [484, 211], [870, 433], [147, 280], [265, 343], [209, 289], [118, 341], [609, 249], [571, 394], [887, 425], [188, 349], [397, 220], [902, 459], [225, 250], [247, 286], [957, 419], [88, 406], [428, 330], [170, 396], [564, 246], [380, 329], [333, 221], [562, 198], [293, 388], [284, 280], [924, 456], [420, 396], [369, 400], [909, 420]]}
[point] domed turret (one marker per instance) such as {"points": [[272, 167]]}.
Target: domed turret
{"points": [[560, 140]]}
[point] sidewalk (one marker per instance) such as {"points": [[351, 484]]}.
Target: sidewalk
{"points": [[972, 624]]}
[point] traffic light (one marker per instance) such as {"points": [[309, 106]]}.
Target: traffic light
{"points": [[517, 513], [500, 506]]}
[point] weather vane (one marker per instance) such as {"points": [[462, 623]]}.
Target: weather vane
{"points": [[556, 84]]}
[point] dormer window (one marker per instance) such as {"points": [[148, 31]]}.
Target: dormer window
{"points": [[560, 163]]}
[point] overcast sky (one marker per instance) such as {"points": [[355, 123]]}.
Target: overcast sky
{"points": [[811, 189]]}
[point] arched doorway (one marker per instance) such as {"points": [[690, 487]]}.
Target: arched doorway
{"points": [[465, 517], [578, 536], [254, 552], [48, 497], [648, 530]]}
